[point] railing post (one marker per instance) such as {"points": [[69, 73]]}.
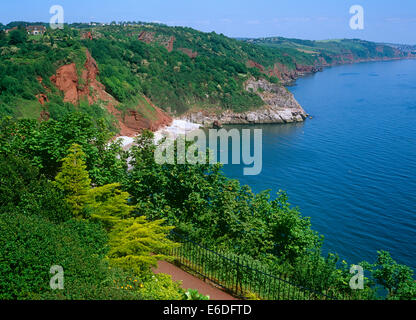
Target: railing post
{"points": [[239, 287]]}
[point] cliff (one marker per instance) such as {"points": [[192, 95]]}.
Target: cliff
{"points": [[131, 121], [181, 70], [306, 56], [280, 107]]}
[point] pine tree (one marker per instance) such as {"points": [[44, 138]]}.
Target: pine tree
{"points": [[137, 244], [74, 180], [109, 204]]}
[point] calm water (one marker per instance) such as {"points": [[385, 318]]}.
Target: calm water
{"points": [[352, 169]]}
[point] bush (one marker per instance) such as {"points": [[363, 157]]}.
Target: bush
{"points": [[30, 246], [23, 189], [18, 36], [161, 287]]}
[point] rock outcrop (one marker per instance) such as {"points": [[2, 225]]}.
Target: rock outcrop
{"points": [[42, 98], [253, 64], [146, 36], [288, 75], [88, 87], [280, 107], [66, 80], [191, 54], [87, 35]]}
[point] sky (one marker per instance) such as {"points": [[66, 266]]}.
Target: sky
{"points": [[384, 20]]}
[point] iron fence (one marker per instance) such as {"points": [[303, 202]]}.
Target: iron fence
{"points": [[247, 280]]}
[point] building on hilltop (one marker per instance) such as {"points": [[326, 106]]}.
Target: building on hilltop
{"points": [[9, 30], [36, 30]]}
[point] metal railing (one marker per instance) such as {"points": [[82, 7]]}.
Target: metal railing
{"points": [[234, 275]]}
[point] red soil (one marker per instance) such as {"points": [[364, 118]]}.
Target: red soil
{"points": [[253, 64], [42, 98], [170, 44], [189, 52], [131, 123], [44, 116], [87, 35], [146, 36]]}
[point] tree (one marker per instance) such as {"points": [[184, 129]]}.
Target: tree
{"points": [[132, 240], [31, 245], [46, 143], [137, 244], [35, 196], [397, 279], [18, 36], [2, 35], [109, 204], [74, 180]]}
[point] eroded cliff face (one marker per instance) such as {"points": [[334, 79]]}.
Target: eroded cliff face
{"points": [[287, 75], [283, 73], [88, 87], [280, 107]]}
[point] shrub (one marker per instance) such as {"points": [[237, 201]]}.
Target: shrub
{"points": [[23, 189], [30, 246], [161, 287]]}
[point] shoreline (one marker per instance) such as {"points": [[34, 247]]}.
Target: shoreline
{"points": [[267, 114], [291, 112], [176, 128], [322, 68]]}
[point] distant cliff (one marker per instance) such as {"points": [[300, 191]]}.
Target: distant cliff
{"points": [[280, 107], [137, 76], [307, 56]]}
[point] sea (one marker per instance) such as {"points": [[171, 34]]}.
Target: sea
{"points": [[352, 167]]}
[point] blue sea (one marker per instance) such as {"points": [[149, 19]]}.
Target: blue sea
{"points": [[352, 168]]}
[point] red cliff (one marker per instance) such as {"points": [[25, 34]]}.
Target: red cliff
{"points": [[87, 86]]}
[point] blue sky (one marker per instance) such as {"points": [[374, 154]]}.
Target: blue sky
{"points": [[385, 20]]}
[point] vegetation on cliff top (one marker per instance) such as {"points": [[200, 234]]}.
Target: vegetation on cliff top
{"points": [[333, 51], [177, 68]]}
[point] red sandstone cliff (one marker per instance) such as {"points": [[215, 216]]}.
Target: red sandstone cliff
{"points": [[87, 86]]}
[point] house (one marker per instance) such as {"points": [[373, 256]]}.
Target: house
{"points": [[36, 30], [9, 30]]}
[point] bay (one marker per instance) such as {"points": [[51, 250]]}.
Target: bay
{"points": [[352, 168]]}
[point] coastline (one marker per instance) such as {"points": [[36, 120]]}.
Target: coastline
{"points": [[281, 106]]}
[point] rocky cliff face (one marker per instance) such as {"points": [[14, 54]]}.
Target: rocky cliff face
{"points": [[280, 107], [287, 76], [87, 86]]}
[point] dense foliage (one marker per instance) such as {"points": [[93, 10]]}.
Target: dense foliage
{"points": [[67, 196], [105, 251], [199, 71], [198, 200], [331, 50]]}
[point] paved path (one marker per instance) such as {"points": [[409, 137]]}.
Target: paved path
{"points": [[192, 282]]}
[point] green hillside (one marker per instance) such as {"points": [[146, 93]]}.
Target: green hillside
{"points": [[177, 68], [332, 50], [70, 196]]}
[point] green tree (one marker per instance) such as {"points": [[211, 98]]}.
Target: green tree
{"points": [[46, 143], [35, 196], [109, 204], [74, 180], [18, 36], [132, 240], [137, 244], [2, 36], [31, 245], [397, 279]]}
